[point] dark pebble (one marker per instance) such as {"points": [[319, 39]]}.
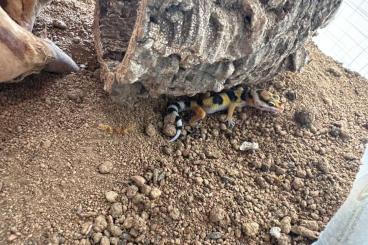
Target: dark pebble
{"points": [[303, 118]]}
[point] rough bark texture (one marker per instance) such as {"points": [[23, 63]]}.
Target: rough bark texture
{"points": [[182, 47], [24, 12], [21, 52]]}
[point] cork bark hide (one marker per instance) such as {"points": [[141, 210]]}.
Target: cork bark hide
{"points": [[183, 47]]}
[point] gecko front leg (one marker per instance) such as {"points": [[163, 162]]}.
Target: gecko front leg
{"points": [[230, 112]]}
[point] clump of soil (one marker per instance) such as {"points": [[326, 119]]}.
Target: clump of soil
{"points": [[64, 179]]}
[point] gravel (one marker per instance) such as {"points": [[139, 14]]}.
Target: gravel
{"points": [[175, 214], [305, 232], [116, 210], [86, 228], [297, 183], [115, 230], [100, 223], [250, 229], [111, 196], [131, 191], [285, 224], [169, 130], [214, 235], [150, 130], [155, 193], [105, 241], [96, 237], [217, 214], [138, 180], [105, 167], [59, 24], [304, 118]]}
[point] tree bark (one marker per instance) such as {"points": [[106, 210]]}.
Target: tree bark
{"points": [[183, 47]]}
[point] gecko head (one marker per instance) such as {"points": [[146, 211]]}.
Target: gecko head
{"points": [[267, 101]]}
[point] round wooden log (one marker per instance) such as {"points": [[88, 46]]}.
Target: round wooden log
{"points": [[22, 53], [24, 12], [182, 47]]}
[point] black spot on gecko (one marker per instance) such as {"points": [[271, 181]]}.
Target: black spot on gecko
{"points": [[171, 110], [199, 102], [246, 95], [217, 99], [231, 94], [177, 105]]}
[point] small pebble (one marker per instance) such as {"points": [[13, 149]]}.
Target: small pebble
{"points": [[275, 232], [251, 229], [290, 95], [217, 214], [335, 131], [105, 167], [96, 237], [131, 191], [116, 210], [304, 118], [214, 235], [59, 24], [261, 182], [349, 156], [115, 230], [111, 196], [128, 223], [75, 95], [334, 72], [223, 126], [114, 240], [323, 166], [155, 193], [86, 228], [175, 214], [12, 237], [285, 224], [146, 189], [84, 242], [105, 241], [215, 132], [199, 180], [76, 40], [167, 150], [46, 144], [246, 146], [169, 130], [310, 224], [100, 223], [212, 153], [150, 130], [138, 180], [284, 240], [297, 183], [305, 232]]}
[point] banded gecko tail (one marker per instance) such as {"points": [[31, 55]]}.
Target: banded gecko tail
{"points": [[176, 108]]}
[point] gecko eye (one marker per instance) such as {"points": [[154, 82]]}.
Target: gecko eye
{"points": [[271, 104]]}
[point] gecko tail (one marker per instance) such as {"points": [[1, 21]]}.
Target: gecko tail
{"points": [[175, 109], [177, 135]]}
